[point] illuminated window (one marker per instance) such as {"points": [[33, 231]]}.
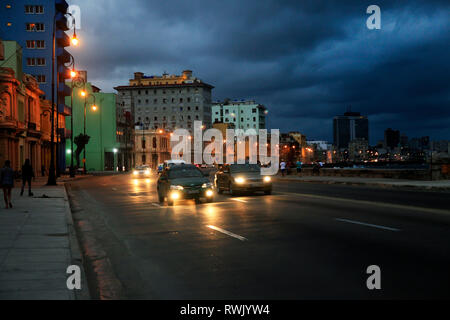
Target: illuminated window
{"points": [[9, 24], [8, 6]]}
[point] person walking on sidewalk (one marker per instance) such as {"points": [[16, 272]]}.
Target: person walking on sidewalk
{"points": [[7, 180], [27, 174]]}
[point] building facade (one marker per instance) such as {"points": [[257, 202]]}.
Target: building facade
{"points": [[348, 127], [30, 24], [24, 117], [242, 114], [166, 102], [102, 151], [152, 147]]}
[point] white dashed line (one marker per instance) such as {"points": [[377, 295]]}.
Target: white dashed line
{"points": [[231, 234], [240, 200], [368, 224]]}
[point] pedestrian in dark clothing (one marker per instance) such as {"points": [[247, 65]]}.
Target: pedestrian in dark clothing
{"points": [[7, 180], [27, 174]]}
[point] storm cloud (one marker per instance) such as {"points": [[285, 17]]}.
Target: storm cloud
{"points": [[307, 61]]}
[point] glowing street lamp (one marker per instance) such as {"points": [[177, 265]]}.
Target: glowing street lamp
{"points": [[73, 73]]}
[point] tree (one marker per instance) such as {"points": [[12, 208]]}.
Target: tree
{"points": [[81, 141]]}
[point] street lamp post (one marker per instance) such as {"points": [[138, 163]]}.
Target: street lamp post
{"points": [[52, 174]]}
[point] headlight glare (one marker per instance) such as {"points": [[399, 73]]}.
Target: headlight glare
{"points": [[239, 180]]}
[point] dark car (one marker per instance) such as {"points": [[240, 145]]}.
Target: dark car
{"points": [[242, 177], [184, 181]]}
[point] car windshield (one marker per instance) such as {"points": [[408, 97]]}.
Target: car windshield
{"points": [[178, 172], [234, 168]]}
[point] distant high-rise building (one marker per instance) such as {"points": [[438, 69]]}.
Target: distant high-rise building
{"points": [[420, 144], [391, 138], [350, 126]]}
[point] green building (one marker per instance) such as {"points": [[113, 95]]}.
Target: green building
{"points": [[12, 58], [101, 151]]}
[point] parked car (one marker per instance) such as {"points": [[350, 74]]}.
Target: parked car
{"points": [[142, 172], [237, 178], [184, 181]]}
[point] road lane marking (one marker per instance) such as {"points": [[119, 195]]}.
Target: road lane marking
{"points": [[366, 202], [114, 189], [367, 224], [231, 234], [240, 200], [155, 204]]}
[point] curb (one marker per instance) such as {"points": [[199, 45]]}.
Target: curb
{"points": [[75, 252], [104, 285], [383, 185]]}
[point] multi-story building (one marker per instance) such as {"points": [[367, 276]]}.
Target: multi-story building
{"points": [[152, 147], [166, 102], [31, 23], [24, 117], [391, 138], [102, 151], [348, 127], [358, 149], [242, 114]]}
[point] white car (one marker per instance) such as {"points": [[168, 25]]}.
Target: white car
{"points": [[142, 172]]}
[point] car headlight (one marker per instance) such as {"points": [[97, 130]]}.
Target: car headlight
{"points": [[239, 180], [209, 193], [267, 179], [207, 185], [176, 188], [174, 195], [147, 171], [135, 172]]}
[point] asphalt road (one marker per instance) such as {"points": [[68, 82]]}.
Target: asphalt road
{"points": [[306, 241]]}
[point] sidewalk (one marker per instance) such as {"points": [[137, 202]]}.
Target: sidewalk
{"points": [[37, 244], [438, 185]]}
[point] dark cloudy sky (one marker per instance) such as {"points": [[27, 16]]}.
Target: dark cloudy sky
{"points": [[305, 60]]}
